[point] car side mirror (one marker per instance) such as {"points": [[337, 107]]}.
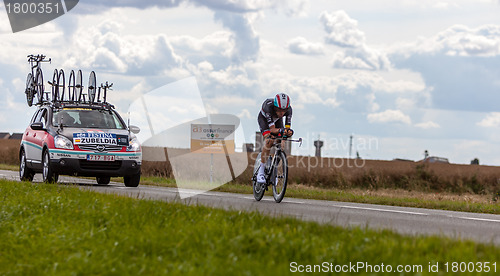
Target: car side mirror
{"points": [[134, 129], [37, 126]]}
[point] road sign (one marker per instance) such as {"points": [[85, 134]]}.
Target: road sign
{"points": [[212, 138]]}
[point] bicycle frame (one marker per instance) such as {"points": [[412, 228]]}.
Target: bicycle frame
{"points": [[277, 145], [32, 59]]}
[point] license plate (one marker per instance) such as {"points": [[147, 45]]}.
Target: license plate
{"points": [[100, 157]]}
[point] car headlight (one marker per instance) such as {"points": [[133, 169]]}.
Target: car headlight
{"points": [[62, 142], [133, 145]]}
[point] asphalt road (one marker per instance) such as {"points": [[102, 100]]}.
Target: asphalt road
{"points": [[413, 221]]}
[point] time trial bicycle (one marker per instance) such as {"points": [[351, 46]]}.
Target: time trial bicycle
{"points": [[275, 172], [34, 81]]}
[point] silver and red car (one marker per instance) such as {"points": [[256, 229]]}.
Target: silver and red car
{"points": [[80, 139]]}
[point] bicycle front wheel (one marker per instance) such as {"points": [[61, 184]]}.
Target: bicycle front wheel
{"points": [[39, 84], [55, 76], [280, 177], [29, 89], [71, 86], [258, 188]]}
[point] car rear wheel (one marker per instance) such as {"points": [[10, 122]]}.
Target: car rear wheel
{"points": [[48, 174], [132, 180], [25, 173], [103, 180]]}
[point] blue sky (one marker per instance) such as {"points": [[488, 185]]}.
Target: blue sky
{"points": [[400, 76]]}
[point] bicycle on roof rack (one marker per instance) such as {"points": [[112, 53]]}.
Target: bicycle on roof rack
{"points": [[276, 171], [34, 81], [74, 93], [75, 86]]}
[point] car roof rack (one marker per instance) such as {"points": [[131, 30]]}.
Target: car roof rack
{"points": [[66, 104]]}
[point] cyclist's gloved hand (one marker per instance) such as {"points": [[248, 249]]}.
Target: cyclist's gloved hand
{"points": [[289, 132], [281, 132]]}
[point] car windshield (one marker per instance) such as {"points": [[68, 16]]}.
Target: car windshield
{"points": [[87, 118]]}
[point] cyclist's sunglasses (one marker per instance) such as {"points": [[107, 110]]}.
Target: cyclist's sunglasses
{"points": [[280, 109]]}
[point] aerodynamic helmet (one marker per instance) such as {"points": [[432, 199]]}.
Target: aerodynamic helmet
{"points": [[281, 100]]}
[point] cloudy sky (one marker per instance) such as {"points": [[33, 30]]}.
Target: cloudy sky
{"points": [[400, 76]]}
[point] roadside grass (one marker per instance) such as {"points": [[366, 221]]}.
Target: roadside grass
{"points": [[62, 230], [9, 167], [443, 201]]}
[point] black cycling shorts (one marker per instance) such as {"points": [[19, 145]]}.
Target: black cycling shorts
{"points": [[264, 127]]}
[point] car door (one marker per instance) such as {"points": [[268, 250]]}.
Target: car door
{"points": [[28, 139], [38, 137]]}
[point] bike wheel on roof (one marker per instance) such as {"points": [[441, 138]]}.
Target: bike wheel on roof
{"points": [[39, 87], [30, 92]]}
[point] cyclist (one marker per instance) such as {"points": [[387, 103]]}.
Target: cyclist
{"points": [[271, 122]]}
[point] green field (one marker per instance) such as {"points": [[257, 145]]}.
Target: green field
{"points": [[63, 230]]}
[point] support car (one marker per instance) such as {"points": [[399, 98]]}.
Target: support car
{"points": [[80, 139]]}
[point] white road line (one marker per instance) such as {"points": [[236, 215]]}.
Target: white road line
{"points": [[480, 219], [284, 200], [381, 210]]}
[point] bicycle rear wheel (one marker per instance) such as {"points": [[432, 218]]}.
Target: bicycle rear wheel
{"points": [[39, 85], [55, 76], [29, 89], [92, 87], [78, 86], [71, 86], [61, 82], [280, 177], [258, 188]]}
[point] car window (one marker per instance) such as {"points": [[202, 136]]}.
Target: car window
{"points": [[42, 117], [33, 119], [88, 118]]}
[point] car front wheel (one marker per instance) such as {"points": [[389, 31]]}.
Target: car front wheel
{"points": [[132, 180], [48, 174]]}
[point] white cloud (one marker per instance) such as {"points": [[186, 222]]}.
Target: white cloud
{"points": [[231, 77], [355, 91], [246, 40], [205, 66], [443, 5], [389, 116], [458, 40], [491, 120], [245, 114], [103, 48], [427, 125], [290, 7], [235, 101], [341, 29], [301, 46], [4, 23], [217, 43], [361, 58]]}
